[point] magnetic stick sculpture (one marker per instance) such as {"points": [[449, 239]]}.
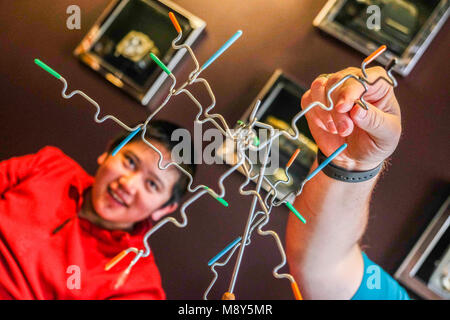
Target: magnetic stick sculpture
{"points": [[244, 138]]}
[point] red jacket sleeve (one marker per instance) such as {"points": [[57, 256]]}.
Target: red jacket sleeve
{"points": [[17, 169]]}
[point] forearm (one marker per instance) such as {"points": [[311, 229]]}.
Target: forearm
{"points": [[336, 214]]}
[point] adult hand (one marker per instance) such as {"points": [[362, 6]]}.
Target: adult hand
{"points": [[371, 135]]}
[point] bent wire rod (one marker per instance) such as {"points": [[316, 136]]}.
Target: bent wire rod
{"points": [[260, 223], [243, 138], [249, 220], [264, 221], [230, 249], [81, 93]]}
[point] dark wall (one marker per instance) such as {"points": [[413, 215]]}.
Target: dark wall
{"points": [[276, 34]]}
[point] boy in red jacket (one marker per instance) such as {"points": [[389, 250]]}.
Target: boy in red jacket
{"points": [[59, 226]]}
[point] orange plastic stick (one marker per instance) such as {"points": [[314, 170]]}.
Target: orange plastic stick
{"points": [[115, 260], [228, 296], [297, 294], [175, 22], [375, 54], [291, 160]]}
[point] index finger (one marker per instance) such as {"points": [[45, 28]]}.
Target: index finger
{"points": [[351, 90]]}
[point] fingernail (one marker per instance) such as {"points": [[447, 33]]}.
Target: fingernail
{"points": [[339, 104], [342, 126], [331, 127]]}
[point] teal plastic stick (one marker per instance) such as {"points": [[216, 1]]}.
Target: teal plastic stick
{"points": [[291, 207], [160, 64], [225, 250], [222, 49], [125, 141], [47, 68], [327, 161]]}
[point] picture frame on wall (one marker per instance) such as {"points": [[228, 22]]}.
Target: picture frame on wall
{"points": [[279, 102], [426, 269], [119, 44], [406, 27]]}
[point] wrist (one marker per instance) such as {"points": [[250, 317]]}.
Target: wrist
{"points": [[343, 174], [323, 192], [355, 165]]}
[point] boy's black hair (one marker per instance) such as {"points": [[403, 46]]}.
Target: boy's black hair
{"points": [[161, 131]]}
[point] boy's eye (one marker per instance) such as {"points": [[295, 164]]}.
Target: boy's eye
{"points": [[152, 185], [129, 161]]}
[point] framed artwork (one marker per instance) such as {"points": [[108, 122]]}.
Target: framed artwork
{"points": [[280, 102], [406, 27], [120, 42], [426, 269]]}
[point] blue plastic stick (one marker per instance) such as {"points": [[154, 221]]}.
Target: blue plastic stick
{"points": [[327, 161], [221, 253], [125, 141], [222, 49]]}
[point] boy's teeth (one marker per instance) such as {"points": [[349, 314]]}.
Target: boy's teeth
{"points": [[116, 197]]}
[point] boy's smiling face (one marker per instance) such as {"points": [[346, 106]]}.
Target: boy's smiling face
{"points": [[129, 187]]}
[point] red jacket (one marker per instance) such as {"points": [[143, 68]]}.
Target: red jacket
{"points": [[38, 193]]}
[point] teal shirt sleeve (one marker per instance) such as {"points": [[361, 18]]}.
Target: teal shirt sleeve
{"points": [[377, 284]]}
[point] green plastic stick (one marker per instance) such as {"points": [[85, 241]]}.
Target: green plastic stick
{"points": [[291, 207], [256, 141], [47, 68], [160, 64], [221, 200]]}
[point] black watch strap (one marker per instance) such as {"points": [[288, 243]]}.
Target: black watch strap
{"points": [[341, 174]]}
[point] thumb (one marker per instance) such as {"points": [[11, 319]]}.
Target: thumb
{"points": [[381, 126]]}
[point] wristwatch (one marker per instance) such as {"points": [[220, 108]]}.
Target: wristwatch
{"points": [[341, 174]]}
